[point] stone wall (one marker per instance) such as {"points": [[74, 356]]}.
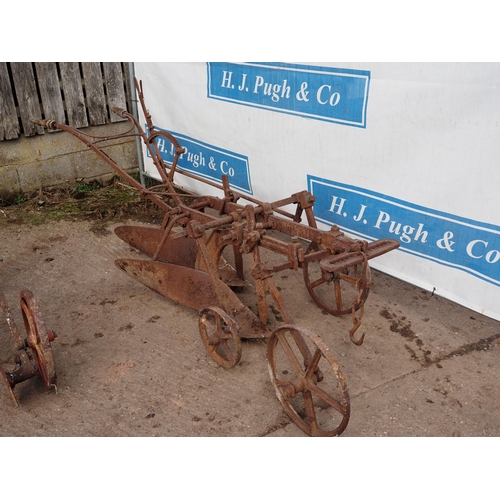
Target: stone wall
{"points": [[58, 159]]}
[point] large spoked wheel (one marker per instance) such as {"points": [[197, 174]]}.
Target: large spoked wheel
{"points": [[219, 333], [308, 381], [336, 292], [38, 339]]}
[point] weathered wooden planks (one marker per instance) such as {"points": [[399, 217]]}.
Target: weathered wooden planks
{"points": [[9, 124], [27, 97], [94, 92], [73, 94], [50, 91], [115, 88], [78, 94]]}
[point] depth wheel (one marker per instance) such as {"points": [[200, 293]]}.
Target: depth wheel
{"points": [[38, 339], [219, 333], [335, 292], [308, 381]]}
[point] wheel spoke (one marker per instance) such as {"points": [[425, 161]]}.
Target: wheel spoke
{"points": [[227, 350], [348, 279], [327, 398], [311, 414], [313, 364], [225, 334], [297, 367], [318, 282], [338, 295], [207, 325], [218, 323]]}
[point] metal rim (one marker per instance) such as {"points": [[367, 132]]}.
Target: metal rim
{"points": [[219, 333], [305, 384], [332, 298], [38, 339]]}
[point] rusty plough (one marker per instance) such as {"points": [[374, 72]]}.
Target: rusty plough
{"points": [[189, 264], [34, 353]]}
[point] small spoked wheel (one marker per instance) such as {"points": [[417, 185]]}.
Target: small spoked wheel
{"points": [[308, 381], [219, 333], [38, 339], [336, 292]]}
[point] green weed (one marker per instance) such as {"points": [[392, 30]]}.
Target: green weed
{"points": [[20, 199]]}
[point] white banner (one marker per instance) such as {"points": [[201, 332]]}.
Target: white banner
{"points": [[390, 150]]}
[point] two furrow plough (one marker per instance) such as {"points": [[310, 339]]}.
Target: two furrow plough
{"points": [[196, 258]]}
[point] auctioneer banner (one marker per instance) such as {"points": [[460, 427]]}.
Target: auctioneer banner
{"points": [[408, 151]]}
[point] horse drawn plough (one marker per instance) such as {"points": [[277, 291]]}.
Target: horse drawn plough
{"points": [[196, 258]]}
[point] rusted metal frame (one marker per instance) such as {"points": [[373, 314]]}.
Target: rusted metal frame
{"points": [[215, 244], [153, 149], [168, 179], [311, 220], [264, 284], [102, 138], [229, 194], [195, 210], [334, 240], [304, 201], [278, 300], [24, 370], [260, 285], [297, 257], [52, 125], [356, 320], [238, 263], [160, 164], [149, 123], [199, 233], [228, 204], [292, 250], [154, 197], [166, 234], [208, 221], [261, 293]]}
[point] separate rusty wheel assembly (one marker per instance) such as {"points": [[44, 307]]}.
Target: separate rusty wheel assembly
{"points": [[308, 381], [219, 333], [39, 339], [34, 353], [336, 292]]}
